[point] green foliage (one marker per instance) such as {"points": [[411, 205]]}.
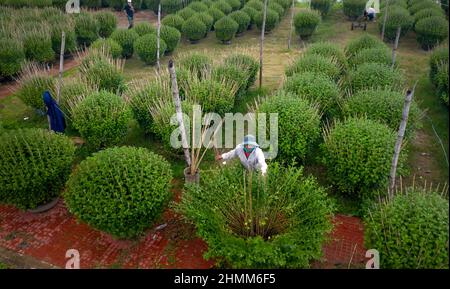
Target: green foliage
{"points": [[38, 46], [330, 50], [91, 3], [363, 42], [207, 19], [324, 6], [298, 124], [107, 23], [375, 75], [242, 19], [429, 12], [109, 45], [439, 55], [12, 57], [401, 3], [431, 31], [87, 28], [232, 73], [353, 8], [441, 82], [215, 13], [198, 6], [384, 106], [277, 8], [358, 154], [255, 4], [171, 6], [120, 190], [171, 37], [272, 19], [423, 5], [317, 64], [223, 6], [245, 63], [186, 13], [34, 165], [33, 83], [410, 230], [396, 17], [317, 88], [194, 29], [152, 5], [251, 12], [196, 63], [102, 119], [70, 44], [306, 22], [73, 90], [143, 28], [372, 55], [226, 28], [173, 20], [146, 48], [290, 213], [126, 39], [235, 4]]}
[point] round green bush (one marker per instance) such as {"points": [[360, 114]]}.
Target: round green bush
{"points": [[143, 28], [91, 3], [431, 31], [34, 165], [223, 6], [235, 4], [271, 20], [12, 57], [232, 73], [298, 124], [196, 63], [306, 22], [226, 29], [324, 6], [317, 64], [173, 20], [207, 19], [70, 44], [395, 18], [171, 6], [109, 45], [102, 119], [375, 75], [242, 19], [126, 39], [330, 50], [429, 12], [120, 190], [194, 29], [152, 5], [410, 230], [72, 92], [107, 23], [215, 13], [251, 12], [317, 88], [372, 55], [38, 46], [363, 42], [186, 13], [353, 8], [255, 4], [208, 3], [383, 105], [441, 82], [423, 5], [171, 37], [146, 48], [286, 199], [439, 55], [87, 28], [277, 8], [198, 6], [33, 84], [245, 63], [401, 3], [116, 4], [357, 154]]}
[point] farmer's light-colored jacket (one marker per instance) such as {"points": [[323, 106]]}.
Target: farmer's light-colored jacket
{"points": [[255, 161]]}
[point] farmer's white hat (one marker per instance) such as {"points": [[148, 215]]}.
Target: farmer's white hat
{"points": [[250, 140], [129, 1]]}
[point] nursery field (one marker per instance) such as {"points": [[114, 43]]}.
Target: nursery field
{"points": [[339, 102]]}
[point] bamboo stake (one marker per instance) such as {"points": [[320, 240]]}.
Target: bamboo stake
{"points": [[158, 38], [261, 43], [292, 22], [61, 66], [401, 134], [177, 102], [384, 20], [394, 49]]}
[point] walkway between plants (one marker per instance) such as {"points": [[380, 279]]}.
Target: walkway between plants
{"points": [[170, 244]]}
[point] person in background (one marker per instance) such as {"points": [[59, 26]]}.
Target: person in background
{"points": [[129, 9], [249, 153], [55, 116], [371, 13]]}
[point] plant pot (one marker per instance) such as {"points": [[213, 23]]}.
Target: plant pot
{"points": [[45, 207], [189, 179], [194, 41]]}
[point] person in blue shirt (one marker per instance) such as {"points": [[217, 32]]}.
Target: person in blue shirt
{"points": [[55, 116], [129, 9]]}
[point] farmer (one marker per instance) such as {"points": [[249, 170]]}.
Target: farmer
{"points": [[371, 13], [129, 9], [249, 153], [55, 116]]}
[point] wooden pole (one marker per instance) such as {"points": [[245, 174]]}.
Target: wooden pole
{"points": [[61, 66], [394, 49], [292, 22], [177, 102], [384, 20], [158, 38], [400, 136], [261, 43]]}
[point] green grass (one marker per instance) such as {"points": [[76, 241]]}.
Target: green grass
{"points": [[3, 266]]}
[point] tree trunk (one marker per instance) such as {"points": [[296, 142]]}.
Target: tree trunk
{"points": [[261, 43], [292, 22], [177, 102], [400, 136], [158, 38], [384, 20], [394, 49], [61, 66]]}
